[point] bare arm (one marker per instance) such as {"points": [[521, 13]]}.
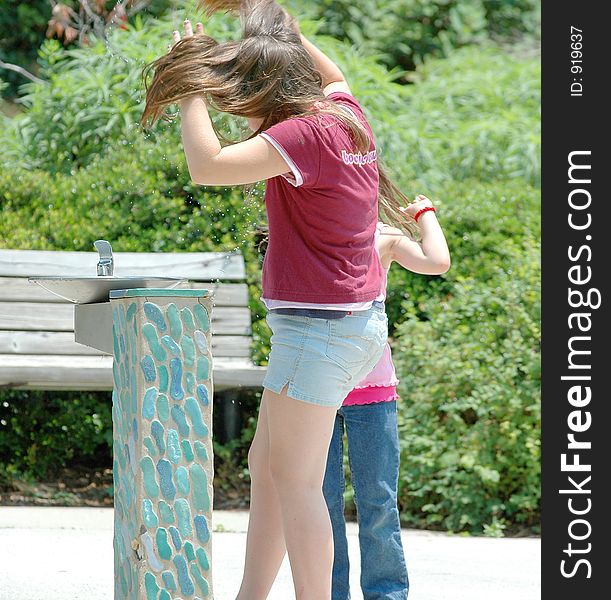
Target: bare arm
{"points": [[246, 162], [333, 79], [210, 163], [428, 257]]}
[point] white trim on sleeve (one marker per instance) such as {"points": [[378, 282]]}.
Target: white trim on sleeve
{"points": [[297, 178]]}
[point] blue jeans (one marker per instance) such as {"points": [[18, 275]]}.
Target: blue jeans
{"points": [[373, 454]]}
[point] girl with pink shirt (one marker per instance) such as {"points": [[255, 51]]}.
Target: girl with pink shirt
{"points": [[322, 276], [368, 417]]}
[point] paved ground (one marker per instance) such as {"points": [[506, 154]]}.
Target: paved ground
{"points": [[66, 553]]}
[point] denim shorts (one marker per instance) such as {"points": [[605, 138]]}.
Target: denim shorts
{"points": [[322, 360]]}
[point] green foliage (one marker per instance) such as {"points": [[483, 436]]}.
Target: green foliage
{"points": [[475, 114], [40, 432], [88, 98], [94, 95], [512, 18], [405, 32], [139, 195], [468, 359], [482, 222], [22, 29], [23, 26]]}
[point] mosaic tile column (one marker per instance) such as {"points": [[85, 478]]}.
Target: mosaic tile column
{"points": [[162, 446]]}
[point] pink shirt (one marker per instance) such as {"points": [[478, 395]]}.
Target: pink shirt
{"points": [[383, 374], [380, 384], [322, 215]]}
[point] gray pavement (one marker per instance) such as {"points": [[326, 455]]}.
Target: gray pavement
{"points": [[66, 553]]}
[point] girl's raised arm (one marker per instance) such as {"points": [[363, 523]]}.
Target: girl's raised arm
{"points": [[333, 79], [211, 164]]}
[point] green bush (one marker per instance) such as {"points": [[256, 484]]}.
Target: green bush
{"points": [[23, 27], [22, 30], [405, 32], [467, 354], [94, 95], [473, 115], [40, 432], [483, 223]]}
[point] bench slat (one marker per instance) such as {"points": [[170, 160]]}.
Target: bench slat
{"points": [[31, 316], [95, 373], [200, 266], [62, 343], [33, 321], [18, 289]]}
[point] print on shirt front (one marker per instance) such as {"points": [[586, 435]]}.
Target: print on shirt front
{"points": [[350, 158]]}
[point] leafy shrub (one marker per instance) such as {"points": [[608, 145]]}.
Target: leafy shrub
{"points": [[22, 30], [94, 95], [405, 32], [483, 223], [470, 415], [511, 18], [473, 115], [23, 26], [40, 432]]}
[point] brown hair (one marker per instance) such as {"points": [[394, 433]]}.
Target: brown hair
{"points": [[267, 74]]}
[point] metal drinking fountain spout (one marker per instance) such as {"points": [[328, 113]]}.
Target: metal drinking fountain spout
{"points": [[106, 262]]}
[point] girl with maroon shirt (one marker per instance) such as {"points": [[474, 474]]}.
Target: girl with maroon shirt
{"points": [[322, 277]]}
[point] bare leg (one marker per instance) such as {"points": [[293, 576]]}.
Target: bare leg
{"points": [[299, 436], [265, 547]]}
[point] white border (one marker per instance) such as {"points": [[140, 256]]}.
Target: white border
{"points": [[289, 161]]}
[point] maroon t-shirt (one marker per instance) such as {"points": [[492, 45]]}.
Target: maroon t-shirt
{"points": [[322, 215]]}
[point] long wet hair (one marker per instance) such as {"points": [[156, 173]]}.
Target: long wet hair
{"points": [[266, 74]]}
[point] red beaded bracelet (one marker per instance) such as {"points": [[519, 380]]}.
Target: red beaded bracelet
{"points": [[422, 211]]}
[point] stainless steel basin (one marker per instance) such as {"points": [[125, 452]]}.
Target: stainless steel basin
{"points": [[89, 290]]}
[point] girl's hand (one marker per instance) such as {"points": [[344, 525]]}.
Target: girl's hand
{"points": [[420, 202], [199, 29], [429, 256]]}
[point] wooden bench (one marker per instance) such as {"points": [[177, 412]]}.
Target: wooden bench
{"points": [[37, 347]]}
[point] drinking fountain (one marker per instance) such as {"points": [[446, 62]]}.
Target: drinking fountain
{"points": [[160, 340], [106, 264]]}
